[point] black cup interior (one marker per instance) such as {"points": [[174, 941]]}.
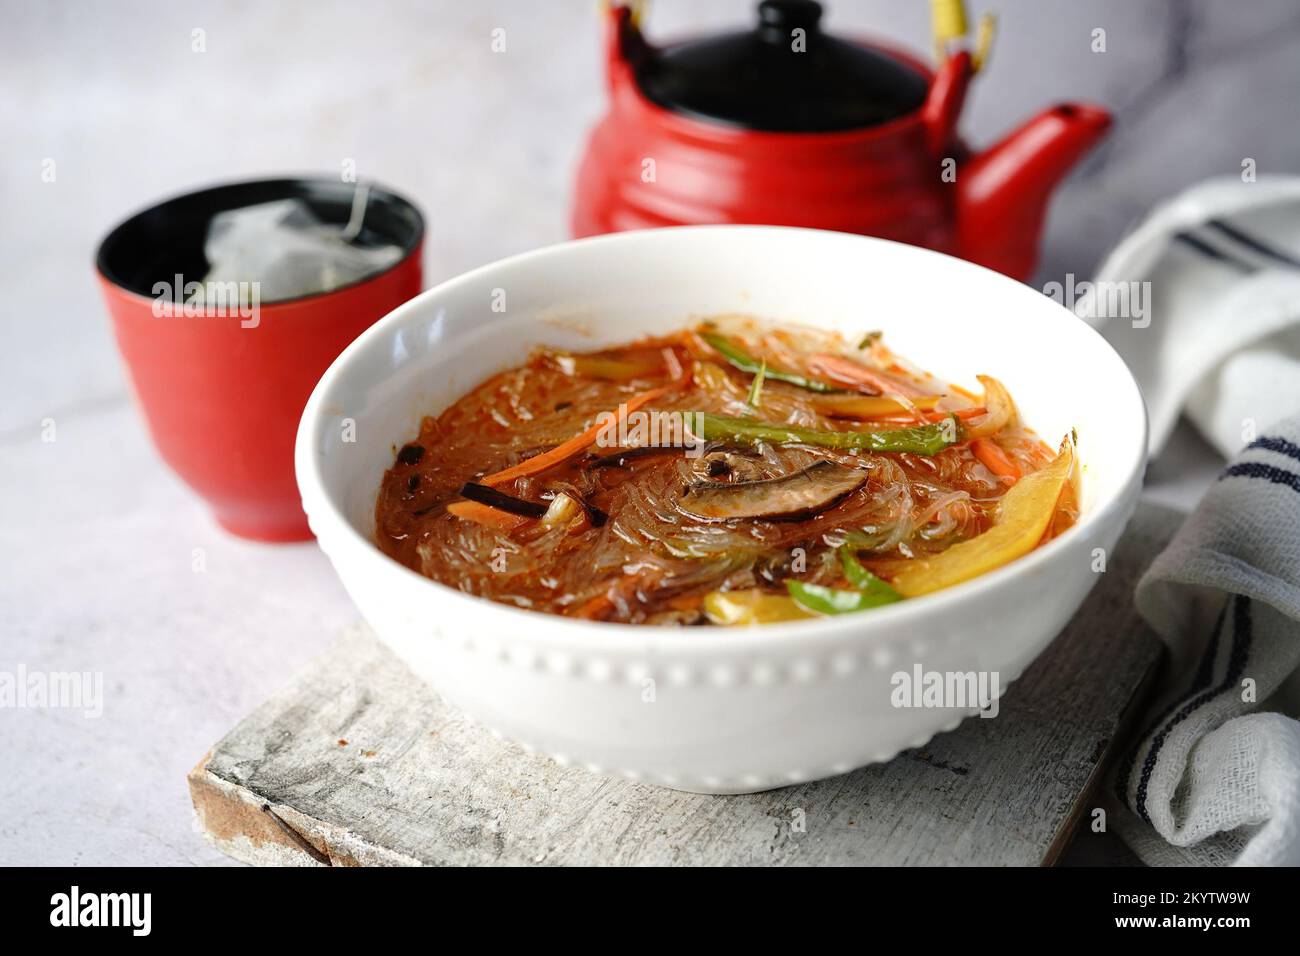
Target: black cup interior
{"points": [[167, 240]]}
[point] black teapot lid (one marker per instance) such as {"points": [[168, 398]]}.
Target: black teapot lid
{"points": [[772, 78]]}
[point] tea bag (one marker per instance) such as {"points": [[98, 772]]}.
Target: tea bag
{"points": [[284, 247]]}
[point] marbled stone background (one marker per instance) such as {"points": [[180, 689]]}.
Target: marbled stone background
{"points": [[96, 537], [486, 143]]}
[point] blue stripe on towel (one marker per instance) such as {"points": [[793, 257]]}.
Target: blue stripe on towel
{"points": [[1204, 674], [1253, 242], [1242, 630], [1256, 469], [1210, 252], [1279, 445]]}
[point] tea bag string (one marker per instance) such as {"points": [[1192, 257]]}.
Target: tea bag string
{"points": [[360, 200]]}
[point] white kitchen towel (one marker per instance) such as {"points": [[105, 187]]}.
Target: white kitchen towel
{"points": [[1203, 302], [1215, 776]]}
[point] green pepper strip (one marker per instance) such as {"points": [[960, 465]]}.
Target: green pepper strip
{"points": [[919, 439], [870, 590], [825, 600], [864, 580], [747, 363]]}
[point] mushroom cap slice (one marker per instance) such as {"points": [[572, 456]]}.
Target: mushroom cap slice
{"points": [[796, 495]]}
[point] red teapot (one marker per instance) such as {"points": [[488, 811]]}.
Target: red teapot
{"points": [[787, 125]]}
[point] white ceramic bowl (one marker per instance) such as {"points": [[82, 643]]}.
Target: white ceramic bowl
{"points": [[713, 709]]}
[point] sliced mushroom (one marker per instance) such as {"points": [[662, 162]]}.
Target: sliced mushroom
{"points": [[734, 466], [620, 459], [796, 495]]}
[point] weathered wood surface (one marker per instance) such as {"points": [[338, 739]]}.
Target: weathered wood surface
{"points": [[359, 763]]}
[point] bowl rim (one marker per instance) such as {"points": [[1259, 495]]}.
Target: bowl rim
{"points": [[581, 635]]}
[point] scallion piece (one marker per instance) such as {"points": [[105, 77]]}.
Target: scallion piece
{"points": [[742, 360], [756, 387]]}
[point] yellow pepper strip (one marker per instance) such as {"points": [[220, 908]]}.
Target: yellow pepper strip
{"points": [[622, 368], [752, 606], [866, 407], [1022, 518]]}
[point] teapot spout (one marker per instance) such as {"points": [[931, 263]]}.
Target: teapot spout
{"points": [[1002, 193]]}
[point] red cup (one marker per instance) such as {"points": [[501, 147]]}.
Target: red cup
{"points": [[222, 394]]}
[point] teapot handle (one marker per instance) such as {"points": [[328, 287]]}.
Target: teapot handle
{"points": [[625, 46]]}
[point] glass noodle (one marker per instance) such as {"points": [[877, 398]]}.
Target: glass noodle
{"points": [[564, 520]]}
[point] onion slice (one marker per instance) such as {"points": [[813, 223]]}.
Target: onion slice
{"points": [[1002, 410]]}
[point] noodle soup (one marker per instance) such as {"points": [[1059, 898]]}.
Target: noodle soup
{"points": [[735, 472]]}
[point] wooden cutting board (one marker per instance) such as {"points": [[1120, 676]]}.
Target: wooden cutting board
{"points": [[359, 763]]}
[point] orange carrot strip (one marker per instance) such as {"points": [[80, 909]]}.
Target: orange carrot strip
{"points": [[574, 446], [603, 604], [936, 416], [995, 459], [848, 372], [596, 608], [962, 413], [486, 515]]}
